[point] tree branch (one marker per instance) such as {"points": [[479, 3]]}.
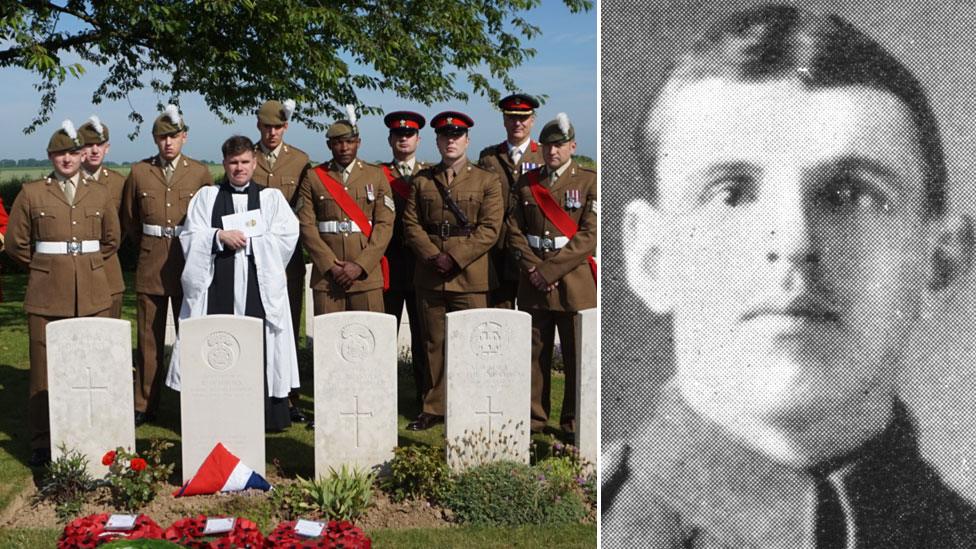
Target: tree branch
{"points": [[8, 56]]}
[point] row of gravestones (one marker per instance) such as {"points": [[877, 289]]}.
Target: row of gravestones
{"points": [[487, 361]]}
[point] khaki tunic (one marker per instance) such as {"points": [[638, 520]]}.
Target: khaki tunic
{"points": [[63, 285], [478, 193], [398, 253], [149, 199], [496, 160], [325, 248], [113, 182], [576, 290]]}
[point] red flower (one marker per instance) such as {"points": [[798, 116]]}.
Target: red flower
{"points": [[137, 464], [108, 458]]}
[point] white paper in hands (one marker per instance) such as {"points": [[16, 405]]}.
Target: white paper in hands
{"points": [[251, 223]]}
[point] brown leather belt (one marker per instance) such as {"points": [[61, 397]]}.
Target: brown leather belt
{"points": [[446, 230]]}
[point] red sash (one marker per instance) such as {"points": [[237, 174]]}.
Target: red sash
{"points": [[354, 212], [556, 215], [401, 187]]}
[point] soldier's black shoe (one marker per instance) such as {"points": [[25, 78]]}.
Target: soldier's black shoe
{"points": [[144, 417], [296, 415], [424, 421], [39, 457]]}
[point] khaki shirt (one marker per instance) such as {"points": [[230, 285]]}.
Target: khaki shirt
{"points": [[63, 284], [478, 194], [576, 290], [318, 205], [148, 199]]}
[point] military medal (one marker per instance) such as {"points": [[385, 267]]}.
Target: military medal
{"points": [[576, 199], [369, 192]]}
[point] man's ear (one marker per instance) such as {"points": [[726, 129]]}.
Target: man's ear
{"points": [[952, 252], [642, 234]]}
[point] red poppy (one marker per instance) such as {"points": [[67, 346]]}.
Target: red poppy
{"points": [[137, 464], [108, 458]]}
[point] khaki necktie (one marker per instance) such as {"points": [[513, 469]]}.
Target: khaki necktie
{"points": [[168, 170], [271, 156], [405, 169], [449, 174], [345, 177], [552, 179], [515, 154], [69, 190]]}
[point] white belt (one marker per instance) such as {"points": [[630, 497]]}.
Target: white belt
{"points": [[64, 248], [546, 243], [160, 231], [339, 227]]}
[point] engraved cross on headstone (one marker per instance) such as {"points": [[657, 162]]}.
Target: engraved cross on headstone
{"points": [[489, 412], [91, 388], [356, 414]]}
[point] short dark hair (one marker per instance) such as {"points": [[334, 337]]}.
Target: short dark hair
{"points": [[236, 145], [779, 42]]}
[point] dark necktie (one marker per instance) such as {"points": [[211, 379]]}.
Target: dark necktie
{"points": [[831, 522]]}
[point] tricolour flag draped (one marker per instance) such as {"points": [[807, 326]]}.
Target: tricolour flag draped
{"points": [[222, 471]]}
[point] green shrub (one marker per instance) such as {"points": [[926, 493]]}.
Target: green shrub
{"points": [[471, 449], [342, 495], [132, 479], [66, 483], [417, 472], [506, 493], [291, 500]]}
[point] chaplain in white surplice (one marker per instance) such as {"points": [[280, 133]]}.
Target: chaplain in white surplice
{"points": [[237, 239]]}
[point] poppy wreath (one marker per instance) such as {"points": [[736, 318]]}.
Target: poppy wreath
{"points": [[336, 534], [90, 531], [188, 532]]}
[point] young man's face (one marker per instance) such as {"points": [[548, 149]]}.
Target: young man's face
{"points": [[66, 163], [344, 149], [452, 146], [518, 127], [170, 145], [404, 144], [557, 154], [94, 155], [239, 168], [272, 134], [794, 246]]}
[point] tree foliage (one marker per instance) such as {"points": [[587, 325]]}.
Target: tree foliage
{"points": [[236, 53]]}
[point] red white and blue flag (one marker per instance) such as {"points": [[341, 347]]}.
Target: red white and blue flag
{"points": [[222, 471]]}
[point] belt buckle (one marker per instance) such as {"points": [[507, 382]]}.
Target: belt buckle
{"points": [[344, 226], [445, 229], [74, 248], [168, 232], [547, 244]]}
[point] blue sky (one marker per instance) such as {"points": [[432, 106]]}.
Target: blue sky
{"points": [[564, 68]]}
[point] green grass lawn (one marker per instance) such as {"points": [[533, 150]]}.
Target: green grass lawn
{"points": [[291, 453]]}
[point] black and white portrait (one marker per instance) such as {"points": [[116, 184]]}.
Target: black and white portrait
{"points": [[787, 289]]}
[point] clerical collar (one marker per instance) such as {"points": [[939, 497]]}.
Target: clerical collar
{"points": [[521, 148], [238, 190]]}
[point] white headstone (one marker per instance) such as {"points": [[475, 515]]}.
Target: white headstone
{"points": [[487, 356], [355, 390], [89, 372], [587, 387], [170, 326], [222, 395], [309, 307]]}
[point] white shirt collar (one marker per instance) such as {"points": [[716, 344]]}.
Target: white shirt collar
{"points": [[521, 147]]}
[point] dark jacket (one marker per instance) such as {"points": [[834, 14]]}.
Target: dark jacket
{"points": [[684, 483]]}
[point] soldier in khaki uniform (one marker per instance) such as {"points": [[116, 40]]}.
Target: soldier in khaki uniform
{"points": [[556, 279], [95, 135], [347, 273], [282, 166], [63, 228], [404, 137], [509, 160], [154, 203], [452, 220]]}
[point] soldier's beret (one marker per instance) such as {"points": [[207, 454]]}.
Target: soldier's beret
{"points": [[276, 113], [518, 103], [65, 139], [451, 122], [342, 128], [94, 131], [559, 130], [404, 121], [169, 122]]}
